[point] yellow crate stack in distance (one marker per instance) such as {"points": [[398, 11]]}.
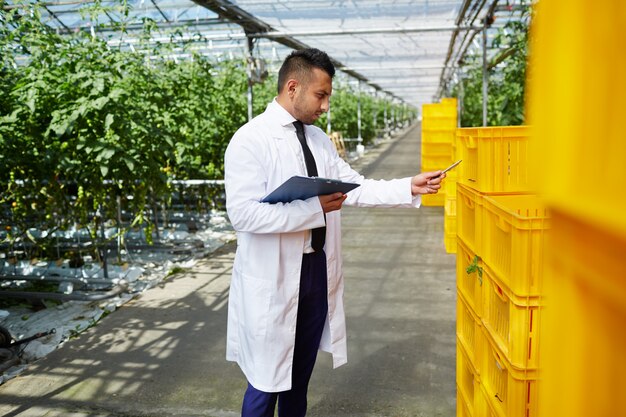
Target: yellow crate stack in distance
{"points": [[439, 121], [449, 212], [450, 203], [575, 106]]}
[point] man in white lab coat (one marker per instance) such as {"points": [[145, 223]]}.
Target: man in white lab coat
{"points": [[286, 293]]}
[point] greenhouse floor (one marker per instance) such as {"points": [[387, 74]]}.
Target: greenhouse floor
{"points": [[162, 354]]}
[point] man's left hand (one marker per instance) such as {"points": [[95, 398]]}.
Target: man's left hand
{"points": [[426, 183]]}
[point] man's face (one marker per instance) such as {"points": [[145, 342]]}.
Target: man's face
{"points": [[312, 97]]}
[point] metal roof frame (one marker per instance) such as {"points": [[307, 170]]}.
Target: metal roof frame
{"points": [[392, 47]]}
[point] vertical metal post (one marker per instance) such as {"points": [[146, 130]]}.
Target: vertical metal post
{"points": [[250, 59], [485, 78], [460, 101], [360, 149], [375, 112], [118, 200], [155, 215], [360, 139], [385, 117], [328, 120], [105, 263]]}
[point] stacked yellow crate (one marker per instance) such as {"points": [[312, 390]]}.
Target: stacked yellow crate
{"points": [[439, 121], [449, 189], [576, 108], [501, 228]]}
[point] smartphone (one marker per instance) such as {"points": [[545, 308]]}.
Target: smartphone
{"points": [[449, 168]]}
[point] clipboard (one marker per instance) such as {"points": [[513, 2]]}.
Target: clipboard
{"points": [[301, 188]]}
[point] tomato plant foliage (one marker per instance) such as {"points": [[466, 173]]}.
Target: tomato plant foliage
{"points": [[506, 78], [83, 122]]}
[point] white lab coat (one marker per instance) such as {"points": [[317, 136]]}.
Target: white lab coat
{"points": [[263, 300]]}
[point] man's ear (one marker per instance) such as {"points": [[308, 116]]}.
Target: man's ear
{"points": [[292, 86]]}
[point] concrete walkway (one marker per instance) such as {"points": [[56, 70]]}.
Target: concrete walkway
{"points": [[163, 354]]}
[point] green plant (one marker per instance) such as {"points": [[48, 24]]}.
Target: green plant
{"points": [[85, 123], [475, 268], [175, 270], [506, 78], [344, 113], [82, 122]]}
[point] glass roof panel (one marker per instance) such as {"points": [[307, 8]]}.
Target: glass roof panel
{"points": [[400, 46], [381, 38]]}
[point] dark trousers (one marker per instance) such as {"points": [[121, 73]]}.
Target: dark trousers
{"points": [[312, 312]]}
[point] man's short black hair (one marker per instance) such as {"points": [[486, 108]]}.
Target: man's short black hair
{"points": [[300, 63]]}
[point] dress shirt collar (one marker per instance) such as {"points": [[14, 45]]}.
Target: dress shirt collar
{"points": [[282, 116]]}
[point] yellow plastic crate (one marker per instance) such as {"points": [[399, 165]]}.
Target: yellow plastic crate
{"points": [[583, 343], [449, 233], [463, 409], [439, 123], [471, 396], [436, 156], [465, 147], [435, 162], [511, 392], [468, 326], [469, 284], [437, 149], [449, 221], [482, 405], [467, 379], [469, 206], [431, 200], [449, 101], [514, 227], [495, 159], [580, 141], [511, 322], [438, 135], [449, 188], [576, 106], [449, 242], [439, 110], [437, 116]]}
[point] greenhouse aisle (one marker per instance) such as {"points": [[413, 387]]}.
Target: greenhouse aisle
{"points": [[400, 301], [163, 354]]}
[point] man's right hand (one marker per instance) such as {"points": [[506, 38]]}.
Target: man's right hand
{"points": [[332, 202]]}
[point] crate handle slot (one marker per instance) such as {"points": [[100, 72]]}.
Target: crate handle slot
{"points": [[498, 361], [500, 293]]}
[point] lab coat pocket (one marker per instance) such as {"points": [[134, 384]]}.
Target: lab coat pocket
{"points": [[255, 296]]}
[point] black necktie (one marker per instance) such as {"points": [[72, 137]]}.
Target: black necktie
{"points": [[318, 236]]}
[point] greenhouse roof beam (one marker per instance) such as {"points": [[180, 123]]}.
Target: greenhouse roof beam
{"points": [[194, 23], [459, 20], [254, 27], [364, 31], [406, 67], [160, 11], [56, 18], [234, 14], [447, 72], [48, 3]]}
